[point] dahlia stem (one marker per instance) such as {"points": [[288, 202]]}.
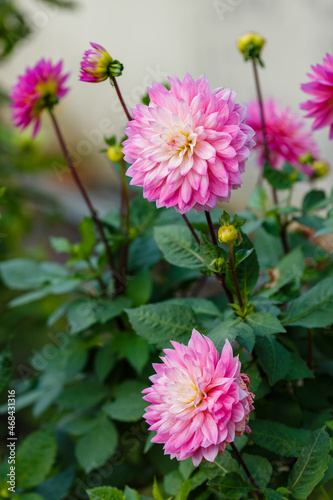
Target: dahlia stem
{"points": [[189, 225], [87, 200], [234, 277], [246, 470], [211, 228], [310, 347], [261, 108], [120, 97]]}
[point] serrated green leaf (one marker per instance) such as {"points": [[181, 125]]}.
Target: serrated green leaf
{"points": [[273, 357], [310, 466], [6, 368], [128, 405], [104, 361], [86, 228], [289, 269], [223, 464], [35, 457], [279, 438], [185, 490], [258, 199], [60, 244], [272, 494], [131, 347], [140, 287], [158, 323], [264, 323], [94, 448], [199, 306], [178, 246], [212, 254], [260, 469], [172, 482], [277, 178], [231, 329], [232, 486], [105, 493], [314, 308], [298, 368]]}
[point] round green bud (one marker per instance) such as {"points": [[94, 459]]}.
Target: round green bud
{"points": [[115, 153], [227, 234], [250, 44], [321, 169]]}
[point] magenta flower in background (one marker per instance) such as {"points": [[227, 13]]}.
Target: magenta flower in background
{"points": [[199, 400], [40, 87], [320, 107], [286, 134], [97, 65], [188, 147]]}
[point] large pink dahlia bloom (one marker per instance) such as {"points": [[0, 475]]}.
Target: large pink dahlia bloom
{"points": [[188, 147], [320, 107], [39, 88], [286, 136], [199, 401]]}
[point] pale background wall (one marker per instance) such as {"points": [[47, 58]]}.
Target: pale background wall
{"points": [[154, 38]]}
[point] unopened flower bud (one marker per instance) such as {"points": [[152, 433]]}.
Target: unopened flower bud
{"points": [[320, 168], [97, 65], [115, 153], [250, 45], [227, 234]]}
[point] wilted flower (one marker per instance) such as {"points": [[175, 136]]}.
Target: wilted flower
{"points": [[188, 147], [97, 65], [40, 87], [320, 107], [199, 401], [287, 139]]}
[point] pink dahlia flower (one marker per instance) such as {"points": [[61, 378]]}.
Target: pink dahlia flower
{"points": [[40, 87], [188, 147], [286, 136], [97, 65], [199, 401], [320, 107]]}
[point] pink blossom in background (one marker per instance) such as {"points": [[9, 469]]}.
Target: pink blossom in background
{"points": [[287, 136], [188, 147], [39, 88], [95, 64], [199, 400], [320, 106]]}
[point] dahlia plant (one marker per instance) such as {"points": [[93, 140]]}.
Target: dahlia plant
{"points": [[242, 409]]}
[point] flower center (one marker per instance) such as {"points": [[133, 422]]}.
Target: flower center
{"points": [[181, 141], [186, 394]]}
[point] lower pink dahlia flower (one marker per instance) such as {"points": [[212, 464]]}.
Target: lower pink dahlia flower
{"points": [[39, 88], [199, 401], [320, 107], [286, 136], [188, 147]]}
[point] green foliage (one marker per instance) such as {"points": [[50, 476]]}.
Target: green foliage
{"points": [[105, 493], [232, 486], [128, 405], [178, 246], [35, 457], [279, 438], [6, 368]]}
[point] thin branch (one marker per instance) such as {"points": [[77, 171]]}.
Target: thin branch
{"points": [[189, 225], [211, 228], [246, 470], [120, 97]]}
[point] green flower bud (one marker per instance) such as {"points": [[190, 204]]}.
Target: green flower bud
{"points": [[227, 234], [250, 45], [115, 153], [321, 169]]}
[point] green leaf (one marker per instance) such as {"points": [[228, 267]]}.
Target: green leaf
{"points": [[131, 494], [279, 438], [21, 274], [86, 228], [289, 269], [312, 199], [272, 494], [314, 308], [6, 368], [35, 457], [264, 323], [132, 347], [310, 466], [232, 486], [57, 486], [105, 493], [156, 491], [28, 496], [277, 178], [199, 306], [260, 468], [140, 287], [178, 246], [248, 270], [298, 368], [85, 313], [104, 361], [82, 395], [128, 405], [231, 329], [185, 490], [223, 464], [273, 357], [60, 245], [258, 199], [94, 448], [172, 482], [158, 323], [214, 256]]}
